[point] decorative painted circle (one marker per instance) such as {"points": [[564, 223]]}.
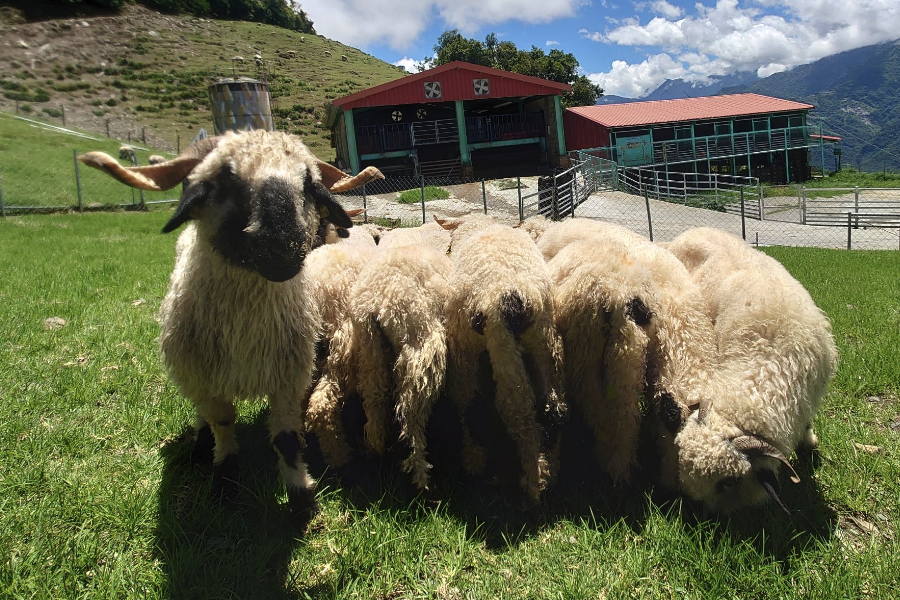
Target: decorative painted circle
{"points": [[482, 87], [397, 115], [433, 89], [421, 113]]}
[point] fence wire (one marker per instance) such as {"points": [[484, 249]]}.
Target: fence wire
{"points": [[649, 203]]}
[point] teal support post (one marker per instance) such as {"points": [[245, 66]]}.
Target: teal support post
{"points": [[822, 150], [351, 141], [463, 138], [560, 130]]}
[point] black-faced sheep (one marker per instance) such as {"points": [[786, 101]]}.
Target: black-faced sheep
{"points": [[239, 320], [127, 153], [502, 302], [155, 159], [776, 357]]}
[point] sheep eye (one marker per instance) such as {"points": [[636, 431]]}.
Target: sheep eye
{"points": [[725, 484]]}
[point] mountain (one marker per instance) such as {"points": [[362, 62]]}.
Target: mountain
{"points": [[613, 99], [144, 73], [672, 89], [856, 97]]}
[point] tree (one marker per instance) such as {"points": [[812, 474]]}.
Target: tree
{"points": [[558, 66]]}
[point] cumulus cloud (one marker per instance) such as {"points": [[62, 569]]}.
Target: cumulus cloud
{"points": [[408, 63], [552, 43], [399, 23], [765, 36]]}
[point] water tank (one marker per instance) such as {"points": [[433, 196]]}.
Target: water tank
{"points": [[239, 104]]}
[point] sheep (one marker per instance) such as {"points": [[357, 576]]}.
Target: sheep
{"points": [[327, 52], [239, 319], [127, 153], [344, 57], [397, 313], [556, 236], [155, 159], [776, 358], [429, 234], [501, 302]]}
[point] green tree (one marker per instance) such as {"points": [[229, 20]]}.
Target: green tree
{"points": [[584, 93]]}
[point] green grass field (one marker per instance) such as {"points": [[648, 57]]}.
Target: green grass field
{"points": [[98, 497]]}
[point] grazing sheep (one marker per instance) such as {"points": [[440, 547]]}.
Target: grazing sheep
{"points": [[127, 153], [328, 53], [600, 295], [155, 159], [344, 57], [430, 234], [239, 320], [776, 357], [501, 302], [556, 236], [397, 310]]}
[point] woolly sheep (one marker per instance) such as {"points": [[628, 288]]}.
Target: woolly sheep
{"points": [[557, 236], [344, 57], [239, 320], [155, 159], [397, 312], [776, 356], [127, 153], [430, 234], [501, 302]]}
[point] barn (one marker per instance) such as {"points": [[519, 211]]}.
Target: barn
{"points": [[737, 134], [458, 119]]}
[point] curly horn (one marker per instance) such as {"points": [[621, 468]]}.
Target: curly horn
{"points": [[162, 176], [751, 444], [338, 181]]}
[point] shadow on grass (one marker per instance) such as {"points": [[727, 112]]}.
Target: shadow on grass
{"points": [[213, 550]]}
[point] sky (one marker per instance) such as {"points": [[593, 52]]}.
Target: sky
{"points": [[627, 47]]}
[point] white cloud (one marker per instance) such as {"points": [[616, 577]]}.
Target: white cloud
{"points": [[765, 36], [552, 43], [399, 23], [408, 63]]}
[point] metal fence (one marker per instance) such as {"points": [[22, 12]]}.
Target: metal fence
{"points": [[649, 203]]}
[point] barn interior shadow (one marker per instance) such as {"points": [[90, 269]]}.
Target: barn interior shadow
{"points": [[210, 549]]}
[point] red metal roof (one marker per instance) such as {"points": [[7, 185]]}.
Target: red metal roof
{"points": [[827, 138], [686, 109], [456, 83]]}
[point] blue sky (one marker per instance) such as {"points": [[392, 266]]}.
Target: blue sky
{"points": [[628, 48]]}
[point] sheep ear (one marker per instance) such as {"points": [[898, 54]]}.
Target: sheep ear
{"points": [[354, 213], [162, 176], [193, 197], [337, 181], [327, 207], [449, 225]]}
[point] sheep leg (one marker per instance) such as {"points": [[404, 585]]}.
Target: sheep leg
{"points": [[285, 432], [461, 373], [420, 375], [220, 416], [515, 402], [623, 381], [204, 442], [324, 418], [374, 384]]}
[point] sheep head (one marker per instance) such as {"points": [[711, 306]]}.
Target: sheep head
{"points": [[728, 470], [258, 197]]}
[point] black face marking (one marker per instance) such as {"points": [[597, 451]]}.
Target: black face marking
{"points": [[327, 206], [638, 312], [289, 446], [669, 412], [515, 315], [303, 505], [726, 484], [224, 423], [193, 197], [477, 323]]}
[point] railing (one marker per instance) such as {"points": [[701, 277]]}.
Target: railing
{"points": [[435, 132], [375, 139], [882, 210], [719, 146], [504, 127]]}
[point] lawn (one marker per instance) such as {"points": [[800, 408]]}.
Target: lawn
{"points": [[98, 497]]}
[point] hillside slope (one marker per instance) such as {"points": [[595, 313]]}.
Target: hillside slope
{"points": [[145, 70]]}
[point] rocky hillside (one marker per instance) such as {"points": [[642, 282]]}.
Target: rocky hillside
{"points": [[141, 71]]}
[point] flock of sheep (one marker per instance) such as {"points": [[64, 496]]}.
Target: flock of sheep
{"points": [[275, 294]]}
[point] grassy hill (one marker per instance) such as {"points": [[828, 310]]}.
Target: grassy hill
{"points": [[142, 71]]}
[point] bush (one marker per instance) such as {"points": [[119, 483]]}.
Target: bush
{"points": [[431, 193]]}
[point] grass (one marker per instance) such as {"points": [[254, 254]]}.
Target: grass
{"points": [[431, 192], [98, 497]]}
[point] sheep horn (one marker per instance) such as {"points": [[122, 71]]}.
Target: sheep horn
{"points": [[162, 176], [703, 410], [750, 444], [770, 489], [337, 181]]}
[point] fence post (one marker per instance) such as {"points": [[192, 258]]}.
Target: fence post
{"points": [[142, 205], [2, 202], [849, 229], [77, 180], [107, 128], [649, 219], [856, 200], [743, 223], [762, 204], [63, 109], [483, 196], [143, 136], [422, 179], [554, 201], [521, 207], [803, 204], [799, 202], [365, 212]]}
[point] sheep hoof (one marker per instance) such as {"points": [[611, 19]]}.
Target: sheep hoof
{"points": [[303, 505], [225, 478], [205, 443]]}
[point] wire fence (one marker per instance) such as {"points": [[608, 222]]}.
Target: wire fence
{"points": [[657, 205]]}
